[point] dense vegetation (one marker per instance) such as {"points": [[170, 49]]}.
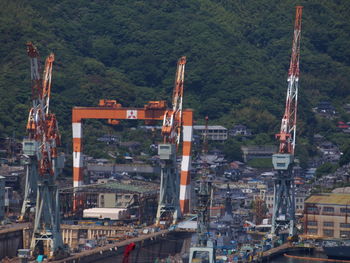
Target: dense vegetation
{"points": [[238, 55]]}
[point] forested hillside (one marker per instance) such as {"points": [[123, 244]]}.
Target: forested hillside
{"points": [[237, 57]]}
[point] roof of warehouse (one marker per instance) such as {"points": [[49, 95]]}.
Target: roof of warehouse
{"points": [[335, 199], [210, 127], [132, 187]]}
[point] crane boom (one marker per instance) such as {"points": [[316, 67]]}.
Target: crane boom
{"points": [[288, 126], [171, 130], [172, 121]]}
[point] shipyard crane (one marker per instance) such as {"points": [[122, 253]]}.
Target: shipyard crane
{"points": [[169, 206], [283, 216], [43, 140], [30, 144]]}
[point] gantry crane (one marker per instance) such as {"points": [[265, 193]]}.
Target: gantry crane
{"points": [[283, 216], [176, 118], [169, 205], [42, 145]]}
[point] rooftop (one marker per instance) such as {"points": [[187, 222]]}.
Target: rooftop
{"points": [[210, 127], [335, 199], [131, 187], [120, 186]]}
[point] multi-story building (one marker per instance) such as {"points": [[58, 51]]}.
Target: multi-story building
{"points": [[299, 202], [327, 215], [215, 132], [258, 151]]}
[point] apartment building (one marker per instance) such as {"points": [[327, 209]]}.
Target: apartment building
{"points": [[215, 132]]}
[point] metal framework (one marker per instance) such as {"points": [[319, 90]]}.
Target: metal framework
{"points": [[30, 154], [153, 111], [169, 206], [283, 216], [42, 168], [204, 247]]}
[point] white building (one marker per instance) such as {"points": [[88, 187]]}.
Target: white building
{"points": [[215, 132], [299, 202]]}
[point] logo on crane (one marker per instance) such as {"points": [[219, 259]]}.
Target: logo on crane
{"points": [[131, 114]]}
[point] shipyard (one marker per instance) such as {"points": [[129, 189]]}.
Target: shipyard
{"points": [[106, 157]]}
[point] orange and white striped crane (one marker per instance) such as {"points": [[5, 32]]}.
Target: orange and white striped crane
{"points": [[174, 120]]}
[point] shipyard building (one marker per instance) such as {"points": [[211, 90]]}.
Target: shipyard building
{"points": [[327, 215]]}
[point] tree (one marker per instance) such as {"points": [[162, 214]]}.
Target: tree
{"points": [[345, 158], [232, 150], [326, 168]]}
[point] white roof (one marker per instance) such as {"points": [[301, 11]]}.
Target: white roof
{"points": [[210, 127], [104, 210]]}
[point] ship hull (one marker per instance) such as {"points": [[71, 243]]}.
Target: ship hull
{"points": [[339, 252]]}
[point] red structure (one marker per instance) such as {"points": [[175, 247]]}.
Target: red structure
{"points": [[288, 126]]}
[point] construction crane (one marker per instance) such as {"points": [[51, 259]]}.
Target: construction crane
{"points": [[283, 216], [43, 140], [169, 206]]}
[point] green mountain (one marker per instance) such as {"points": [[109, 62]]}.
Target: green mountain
{"points": [[237, 52]]}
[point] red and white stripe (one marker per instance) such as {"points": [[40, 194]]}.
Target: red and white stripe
{"points": [[77, 157], [185, 179]]}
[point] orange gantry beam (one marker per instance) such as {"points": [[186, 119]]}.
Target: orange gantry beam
{"points": [[120, 113]]}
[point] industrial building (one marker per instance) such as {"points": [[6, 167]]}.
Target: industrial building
{"points": [[258, 151], [327, 215], [138, 197], [214, 132]]}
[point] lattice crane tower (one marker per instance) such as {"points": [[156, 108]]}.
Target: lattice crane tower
{"points": [[43, 140], [170, 188], [283, 216]]}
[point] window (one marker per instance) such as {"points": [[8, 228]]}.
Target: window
{"points": [[345, 234], [312, 231], [312, 209], [328, 209], [127, 196], [329, 224], [344, 210], [328, 232], [345, 225], [312, 223]]}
